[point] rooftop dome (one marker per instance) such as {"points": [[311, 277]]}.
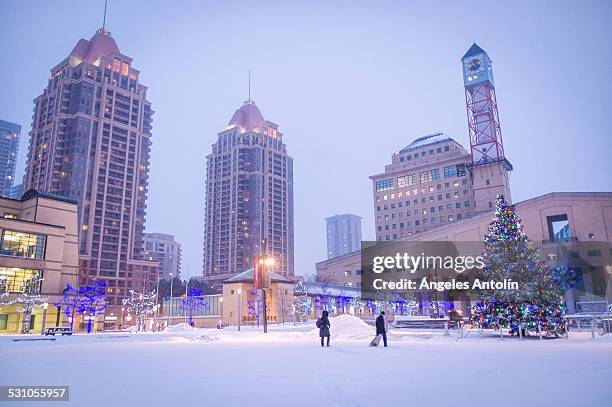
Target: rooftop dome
{"points": [[425, 140], [248, 117], [101, 44]]}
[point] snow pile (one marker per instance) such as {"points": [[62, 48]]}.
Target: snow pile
{"points": [[182, 327], [348, 327], [187, 338]]}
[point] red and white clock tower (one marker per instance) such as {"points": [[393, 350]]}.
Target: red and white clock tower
{"points": [[489, 168]]}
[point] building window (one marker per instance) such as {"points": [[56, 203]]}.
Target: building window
{"points": [[450, 171], [347, 273], [16, 280], [558, 227], [384, 185], [406, 180], [21, 244], [594, 253], [430, 175]]}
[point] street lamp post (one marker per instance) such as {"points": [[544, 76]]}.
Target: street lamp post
{"points": [[187, 298], [121, 323], [156, 314], [170, 300], [239, 303], [221, 309], [44, 321], [267, 262]]}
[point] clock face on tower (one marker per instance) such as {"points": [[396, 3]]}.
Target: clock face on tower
{"points": [[473, 64]]}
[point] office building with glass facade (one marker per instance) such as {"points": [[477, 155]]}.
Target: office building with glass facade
{"points": [[38, 240]]}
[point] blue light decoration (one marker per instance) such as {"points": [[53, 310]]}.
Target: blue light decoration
{"points": [[342, 302], [253, 304], [89, 300], [194, 301]]}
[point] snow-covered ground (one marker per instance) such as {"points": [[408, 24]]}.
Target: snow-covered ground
{"points": [[287, 367]]}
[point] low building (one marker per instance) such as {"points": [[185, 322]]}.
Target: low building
{"points": [[39, 239], [550, 218], [204, 312], [242, 302]]}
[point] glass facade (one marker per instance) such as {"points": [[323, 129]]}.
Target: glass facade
{"points": [[384, 185], [22, 244], [406, 180], [17, 280], [430, 175], [177, 307]]}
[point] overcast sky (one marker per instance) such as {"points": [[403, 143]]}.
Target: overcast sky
{"points": [[348, 83]]}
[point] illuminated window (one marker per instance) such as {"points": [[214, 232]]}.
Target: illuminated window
{"points": [[20, 244], [406, 180], [430, 175], [17, 280]]}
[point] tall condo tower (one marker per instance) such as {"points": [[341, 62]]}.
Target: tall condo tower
{"points": [[249, 198], [9, 144], [343, 234], [90, 140], [489, 166]]}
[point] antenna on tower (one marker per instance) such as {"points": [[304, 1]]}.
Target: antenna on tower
{"points": [[249, 85], [104, 19]]}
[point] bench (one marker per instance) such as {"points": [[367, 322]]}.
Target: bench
{"points": [[58, 330]]}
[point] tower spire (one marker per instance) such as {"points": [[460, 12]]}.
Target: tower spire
{"points": [[250, 86], [104, 19], [103, 30]]}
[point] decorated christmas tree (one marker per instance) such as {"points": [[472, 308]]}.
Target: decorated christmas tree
{"points": [[509, 255]]}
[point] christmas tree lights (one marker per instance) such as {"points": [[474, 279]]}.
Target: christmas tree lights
{"points": [[538, 305]]}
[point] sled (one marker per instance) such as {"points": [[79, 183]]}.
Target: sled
{"points": [[376, 340]]}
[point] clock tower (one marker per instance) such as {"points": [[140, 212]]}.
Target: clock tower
{"points": [[489, 168]]}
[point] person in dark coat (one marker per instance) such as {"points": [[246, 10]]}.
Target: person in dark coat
{"points": [[381, 329], [323, 324]]}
